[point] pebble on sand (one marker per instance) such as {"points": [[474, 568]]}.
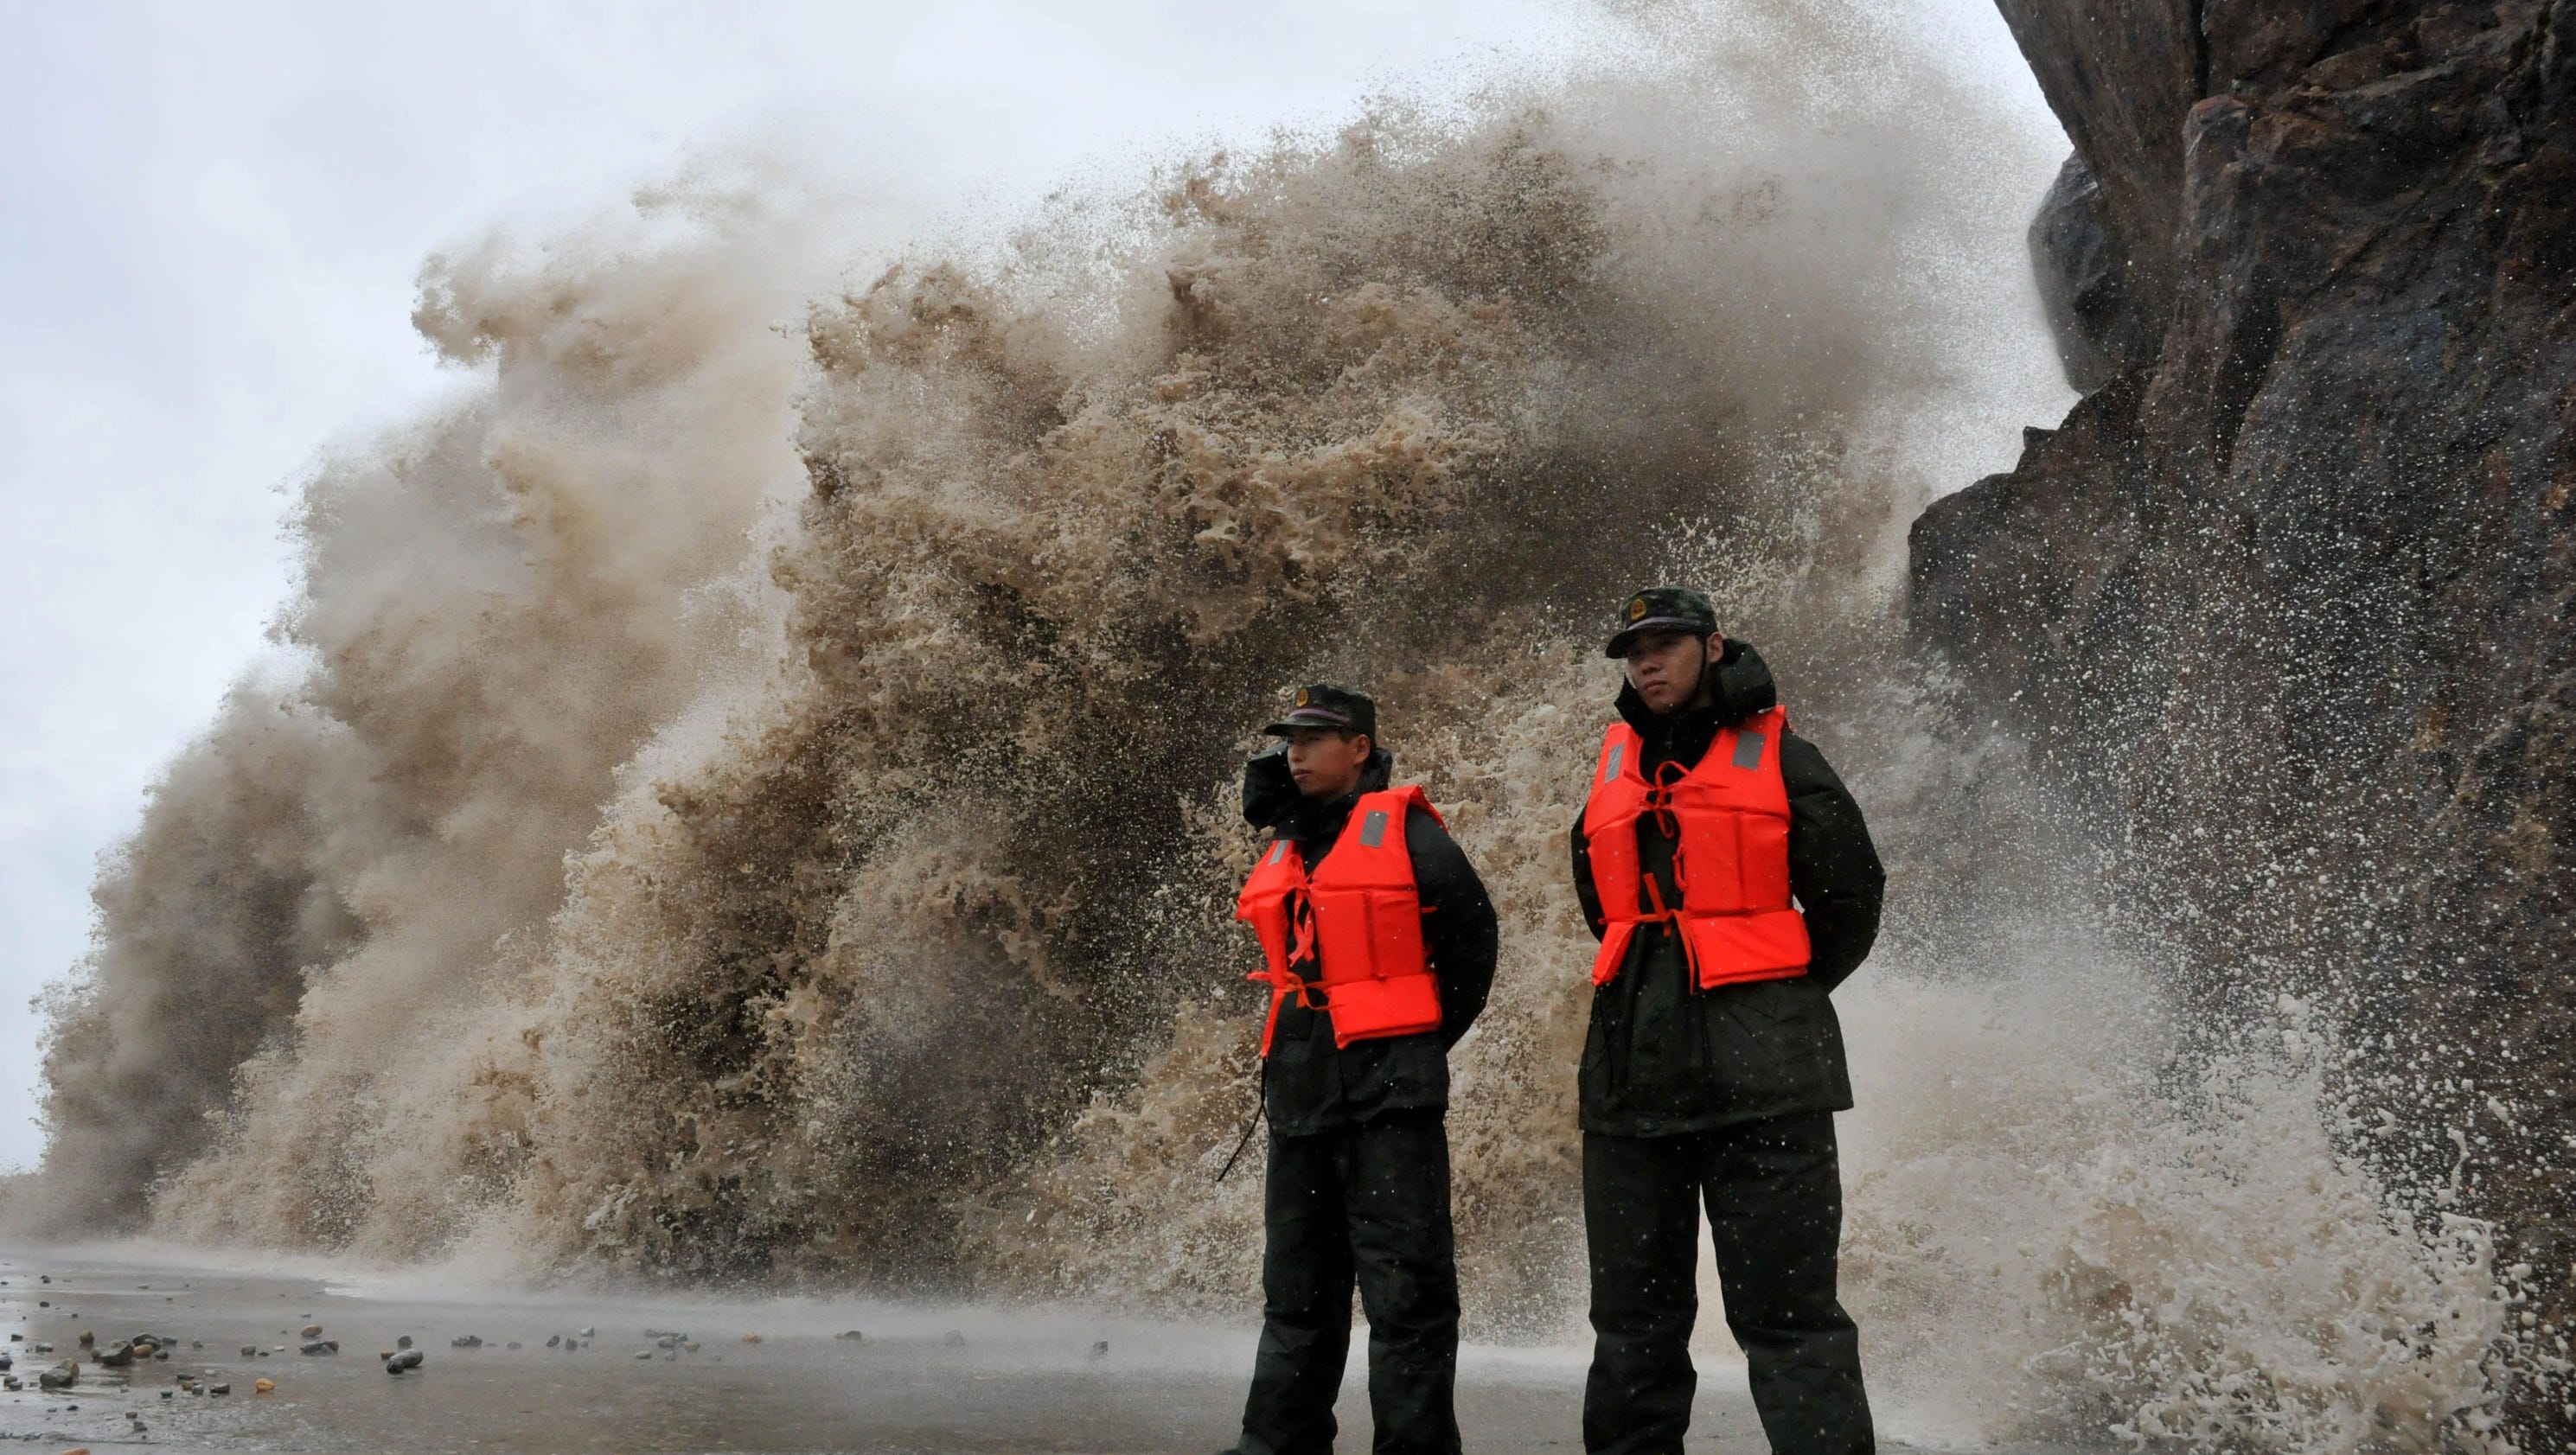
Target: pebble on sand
{"points": [[263, 1386], [553, 1340], [407, 1359], [586, 1331], [469, 1341], [751, 1338], [249, 1350], [313, 1331], [321, 1346], [403, 1342], [1100, 1349], [852, 1335], [61, 1376], [954, 1339], [223, 1388]]}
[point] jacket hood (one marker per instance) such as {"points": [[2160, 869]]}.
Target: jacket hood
{"points": [[1271, 799], [1743, 688]]}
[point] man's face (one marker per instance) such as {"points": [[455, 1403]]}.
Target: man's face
{"points": [[1326, 762], [1666, 667]]}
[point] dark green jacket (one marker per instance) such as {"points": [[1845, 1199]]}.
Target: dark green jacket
{"points": [[1308, 1084], [1665, 1058]]}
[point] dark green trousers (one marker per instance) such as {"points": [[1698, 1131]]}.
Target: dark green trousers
{"points": [[1773, 1189], [1368, 1205]]}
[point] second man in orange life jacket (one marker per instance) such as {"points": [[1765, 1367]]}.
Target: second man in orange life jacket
{"points": [[1377, 946], [1733, 885]]}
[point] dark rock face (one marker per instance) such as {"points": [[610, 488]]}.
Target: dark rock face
{"points": [[2083, 267], [2290, 600]]}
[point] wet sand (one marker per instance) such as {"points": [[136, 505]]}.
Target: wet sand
{"points": [[1013, 1380]]}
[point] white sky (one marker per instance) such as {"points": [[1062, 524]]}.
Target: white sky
{"points": [[211, 216]]}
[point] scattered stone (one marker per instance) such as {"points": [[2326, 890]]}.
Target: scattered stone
{"points": [[194, 1344], [852, 1335], [223, 1389], [44, 1303], [553, 1340], [402, 1341], [587, 1331], [165, 1394], [321, 1346], [313, 1331], [513, 1344], [10, 1383], [40, 1348], [61, 1376], [87, 1337], [115, 1356], [954, 1339], [1100, 1349], [250, 1351], [263, 1386], [5, 1363], [751, 1338], [689, 1344], [163, 1355], [643, 1353], [407, 1359], [470, 1341], [44, 1278], [667, 1341]]}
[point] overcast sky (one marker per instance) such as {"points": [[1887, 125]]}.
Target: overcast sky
{"points": [[211, 218]]}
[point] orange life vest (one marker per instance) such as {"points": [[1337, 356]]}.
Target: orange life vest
{"points": [[1358, 918], [1728, 818]]}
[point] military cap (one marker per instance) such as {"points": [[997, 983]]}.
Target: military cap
{"points": [[1661, 609], [1323, 705]]}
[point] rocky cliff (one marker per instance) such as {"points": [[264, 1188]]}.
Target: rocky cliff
{"points": [[2289, 599]]}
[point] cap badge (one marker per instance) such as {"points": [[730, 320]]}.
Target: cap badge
{"points": [[1636, 607], [1301, 697]]}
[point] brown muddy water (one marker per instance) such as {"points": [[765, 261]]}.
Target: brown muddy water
{"points": [[923, 1377]]}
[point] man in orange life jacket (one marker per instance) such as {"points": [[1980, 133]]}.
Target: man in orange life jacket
{"points": [[1733, 884], [1378, 947]]}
